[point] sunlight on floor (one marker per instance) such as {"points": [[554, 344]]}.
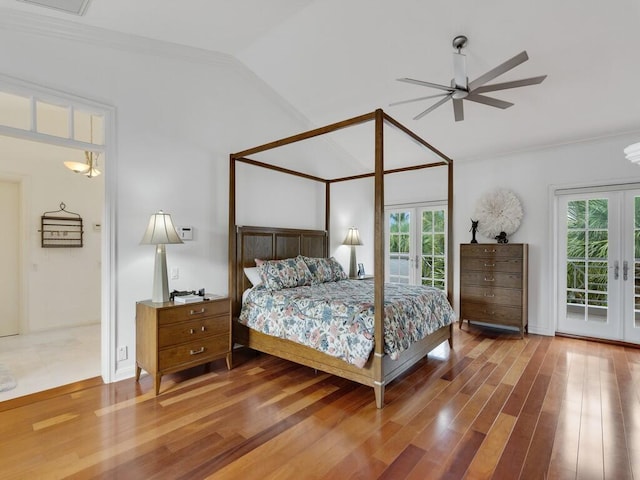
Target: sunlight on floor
{"points": [[44, 360]]}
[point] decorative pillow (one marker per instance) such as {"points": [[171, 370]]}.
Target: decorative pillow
{"points": [[338, 271], [253, 275], [287, 273], [320, 268], [325, 269]]}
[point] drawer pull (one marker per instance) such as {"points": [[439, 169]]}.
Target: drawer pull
{"points": [[192, 331], [489, 264], [196, 352], [197, 312], [203, 328], [489, 279], [489, 250], [489, 295]]}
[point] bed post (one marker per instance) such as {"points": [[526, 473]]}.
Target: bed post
{"points": [[450, 248], [378, 252], [235, 307]]}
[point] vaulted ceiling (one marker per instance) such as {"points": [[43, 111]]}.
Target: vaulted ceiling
{"points": [[333, 59]]}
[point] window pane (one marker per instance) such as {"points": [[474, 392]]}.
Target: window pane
{"points": [[576, 214], [427, 221], [15, 111], [576, 244], [598, 244], [598, 213], [88, 128], [438, 217], [52, 119], [438, 244]]}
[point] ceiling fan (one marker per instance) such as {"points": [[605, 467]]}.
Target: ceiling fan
{"points": [[462, 89]]}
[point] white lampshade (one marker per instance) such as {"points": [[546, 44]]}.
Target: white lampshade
{"points": [[632, 152], [160, 231], [353, 237]]}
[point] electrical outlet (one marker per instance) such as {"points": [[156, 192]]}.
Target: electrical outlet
{"points": [[122, 353]]}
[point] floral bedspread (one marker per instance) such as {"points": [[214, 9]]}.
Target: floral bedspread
{"points": [[337, 318]]}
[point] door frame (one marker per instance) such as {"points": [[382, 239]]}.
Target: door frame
{"points": [[23, 186], [417, 208], [554, 233], [108, 248]]}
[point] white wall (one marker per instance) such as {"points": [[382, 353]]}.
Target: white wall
{"points": [[61, 285], [179, 113]]}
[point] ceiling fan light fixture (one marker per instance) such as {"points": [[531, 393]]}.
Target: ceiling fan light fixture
{"points": [[632, 152]]}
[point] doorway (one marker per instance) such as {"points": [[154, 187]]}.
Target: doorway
{"points": [[599, 263], [10, 278], [416, 246]]}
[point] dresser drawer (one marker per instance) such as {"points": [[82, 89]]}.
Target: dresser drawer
{"points": [[498, 314], [193, 310], [195, 352], [493, 295], [491, 279], [181, 332], [492, 264], [491, 250]]}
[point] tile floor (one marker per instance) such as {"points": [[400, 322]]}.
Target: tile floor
{"points": [[45, 360]]}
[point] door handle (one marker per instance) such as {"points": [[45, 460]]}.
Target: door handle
{"points": [[625, 270], [616, 270]]}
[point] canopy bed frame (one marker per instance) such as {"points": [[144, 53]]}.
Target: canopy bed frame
{"points": [[248, 243]]}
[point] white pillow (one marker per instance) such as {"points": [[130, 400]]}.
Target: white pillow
{"points": [[253, 275]]}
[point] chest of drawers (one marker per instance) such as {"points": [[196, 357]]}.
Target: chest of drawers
{"points": [[172, 337], [493, 284]]}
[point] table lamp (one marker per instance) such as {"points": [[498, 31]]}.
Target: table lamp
{"points": [[160, 232], [352, 239]]}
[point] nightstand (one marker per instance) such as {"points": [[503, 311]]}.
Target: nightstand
{"points": [[171, 337], [364, 277]]}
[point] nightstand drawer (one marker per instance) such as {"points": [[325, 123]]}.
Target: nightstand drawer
{"points": [[193, 310], [491, 279], [195, 352], [175, 333]]}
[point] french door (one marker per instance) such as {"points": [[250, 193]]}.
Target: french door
{"points": [[416, 245], [599, 264]]}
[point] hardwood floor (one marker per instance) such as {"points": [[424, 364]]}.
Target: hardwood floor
{"points": [[494, 407]]}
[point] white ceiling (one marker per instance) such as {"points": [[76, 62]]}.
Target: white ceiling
{"points": [[333, 59]]}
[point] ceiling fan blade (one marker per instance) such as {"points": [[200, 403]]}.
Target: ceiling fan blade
{"points": [[460, 70], [425, 84], [432, 107], [499, 70], [458, 112], [492, 102], [514, 84], [417, 99]]}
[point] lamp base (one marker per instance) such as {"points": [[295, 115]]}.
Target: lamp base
{"points": [[352, 263], [160, 283]]}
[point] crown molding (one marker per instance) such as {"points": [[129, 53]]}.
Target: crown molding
{"points": [[77, 32]]}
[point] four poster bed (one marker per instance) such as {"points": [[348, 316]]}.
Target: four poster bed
{"points": [[299, 257]]}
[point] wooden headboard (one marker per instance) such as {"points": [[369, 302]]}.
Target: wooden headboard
{"points": [[268, 243]]}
